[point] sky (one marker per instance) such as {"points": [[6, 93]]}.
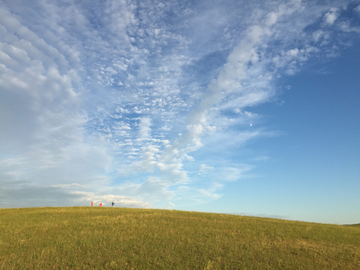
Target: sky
{"points": [[239, 107]]}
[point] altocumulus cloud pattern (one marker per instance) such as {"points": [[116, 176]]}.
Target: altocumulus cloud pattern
{"points": [[146, 102]]}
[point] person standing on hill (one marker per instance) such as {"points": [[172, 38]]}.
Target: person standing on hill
{"points": [[92, 204], [100, 204], [112, 204]]}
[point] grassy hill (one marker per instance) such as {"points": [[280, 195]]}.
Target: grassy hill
{"points": [[123, 238]]}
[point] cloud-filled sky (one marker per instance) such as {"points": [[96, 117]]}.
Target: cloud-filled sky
{"points": [[244, 107]]}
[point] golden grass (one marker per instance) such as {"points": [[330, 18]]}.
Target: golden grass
{"points": [[123, 238]]}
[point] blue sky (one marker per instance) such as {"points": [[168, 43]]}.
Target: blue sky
{"points": [[215, 106]]}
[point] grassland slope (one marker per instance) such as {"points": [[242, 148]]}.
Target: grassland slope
{"points": [[123, 238]]}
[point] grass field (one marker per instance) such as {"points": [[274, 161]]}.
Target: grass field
{"points": [[123, 238]]}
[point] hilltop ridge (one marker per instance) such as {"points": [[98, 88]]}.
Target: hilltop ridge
{"points": [[125, 238]]}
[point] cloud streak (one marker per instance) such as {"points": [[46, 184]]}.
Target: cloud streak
{"points": [[120, 100]]}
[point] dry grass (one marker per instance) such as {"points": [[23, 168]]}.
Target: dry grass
{"points": [[122, 238]]}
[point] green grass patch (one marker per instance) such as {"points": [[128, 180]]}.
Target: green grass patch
{"points": [[123, 238]]}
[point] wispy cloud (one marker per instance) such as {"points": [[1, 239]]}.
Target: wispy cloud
{"points": [[357, 8], [113, 101]]}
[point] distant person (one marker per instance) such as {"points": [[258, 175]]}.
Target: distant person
{"points": [[92, 204], [100, 204], [112, 204]]}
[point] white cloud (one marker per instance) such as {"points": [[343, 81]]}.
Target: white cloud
{"points": [[210, 191], [192, 196], [144, 127], [331, 16], [152, 190], [94, 97], [107, 199], [318, 34], [228, 81], [247, 99], [234, 173], [42, 138], [149, 160], [204, 168], [72, 185], [346, 27], [261, 158]]}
